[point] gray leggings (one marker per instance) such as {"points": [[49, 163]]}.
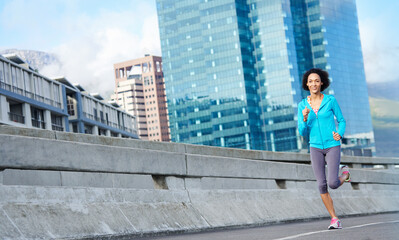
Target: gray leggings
{"points": [[319, 158]]}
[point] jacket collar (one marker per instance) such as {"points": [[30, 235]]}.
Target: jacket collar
{"points": [[326, 99]]}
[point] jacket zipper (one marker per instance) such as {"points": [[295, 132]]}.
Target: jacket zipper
{"points": [[318, 123]]}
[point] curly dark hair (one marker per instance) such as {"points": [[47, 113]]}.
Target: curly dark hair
{"points": [[323, 77]]}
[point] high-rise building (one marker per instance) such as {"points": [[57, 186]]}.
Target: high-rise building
{"points": [[140, 90], [233, 70]]}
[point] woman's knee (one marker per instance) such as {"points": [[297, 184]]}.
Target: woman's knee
{"points": [[323, 188], [334, 184]]}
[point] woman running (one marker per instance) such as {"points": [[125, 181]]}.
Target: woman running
{"points": [[316, 120]]}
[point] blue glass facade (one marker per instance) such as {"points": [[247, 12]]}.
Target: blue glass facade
{"points": [[233, 68], [345, 63], [209, 75], [277, 75]]}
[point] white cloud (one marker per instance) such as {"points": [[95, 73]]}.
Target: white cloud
{"points": [[93, 45], [380, 46], [150, 40], [89, 44], [380, 55]]}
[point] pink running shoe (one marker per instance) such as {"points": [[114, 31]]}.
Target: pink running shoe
{"points": [[335, 224], [345, 170]]}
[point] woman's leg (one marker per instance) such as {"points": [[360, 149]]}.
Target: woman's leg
{"points": [[333, 159], [319, 170], [328, 203], [318, 160]]}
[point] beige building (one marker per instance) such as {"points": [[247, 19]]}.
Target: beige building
{"points": [[140, 91]]}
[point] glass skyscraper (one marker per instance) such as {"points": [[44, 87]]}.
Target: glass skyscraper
{"points": [[233, 70]]}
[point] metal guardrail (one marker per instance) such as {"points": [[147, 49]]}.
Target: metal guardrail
{"points": [[38, 123], [108, 123], [5, 86], [29, 94], [16, 117], [57, 127]]}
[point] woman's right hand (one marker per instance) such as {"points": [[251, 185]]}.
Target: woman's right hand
{"points": [[305, 113]]}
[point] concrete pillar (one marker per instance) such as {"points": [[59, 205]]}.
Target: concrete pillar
{"points": [[81, 127], [47, 120], [27, 114], [3, 109], [65, 124], [95, 130], [119, 135], [108, 133]]}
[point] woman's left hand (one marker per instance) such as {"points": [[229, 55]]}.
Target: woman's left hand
{"points": [[336, 136]]}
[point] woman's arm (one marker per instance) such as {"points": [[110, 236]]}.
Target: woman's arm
{"points": [[340, 118], [302, 125]]}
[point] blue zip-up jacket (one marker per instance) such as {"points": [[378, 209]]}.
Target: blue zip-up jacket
{"points": [[320, 128]]}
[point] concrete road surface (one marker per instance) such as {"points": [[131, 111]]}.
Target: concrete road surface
{"points": [[380, 226]]}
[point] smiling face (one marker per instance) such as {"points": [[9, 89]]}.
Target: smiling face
{"points": [[314, 83]]}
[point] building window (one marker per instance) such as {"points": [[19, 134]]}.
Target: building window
{"points": [[75, 127], [71, 106], [102, 117], [38, 118], [15, 113], [88, 129], [95, 114], [102, 132], [56, 123]]}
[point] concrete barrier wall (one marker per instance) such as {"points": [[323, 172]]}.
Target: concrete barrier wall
{"points": [[65, 185], [187, 148]]}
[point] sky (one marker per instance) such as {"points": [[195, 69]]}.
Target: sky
{"points": [[89, 36]]}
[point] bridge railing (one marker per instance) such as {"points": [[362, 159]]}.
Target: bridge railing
{"points": [[371, 163], [100, 186]]}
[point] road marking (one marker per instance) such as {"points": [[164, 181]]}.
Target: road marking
{"points": [[322, 231]]}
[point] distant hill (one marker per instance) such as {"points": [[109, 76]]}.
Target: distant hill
{"points": [[385, 118], [384, 107], [36, 59], [386, 90]]}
